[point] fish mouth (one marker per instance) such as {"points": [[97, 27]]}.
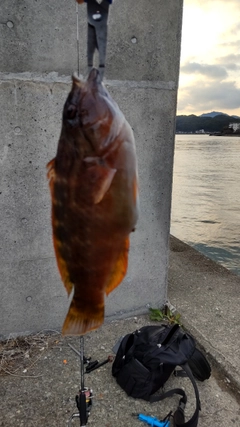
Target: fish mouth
{"points": [[76, 80], [94, 76]]}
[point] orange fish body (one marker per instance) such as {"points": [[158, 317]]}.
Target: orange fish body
{"points": [[94, 190]]}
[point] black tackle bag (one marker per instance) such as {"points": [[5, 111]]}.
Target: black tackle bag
{"points": [[147, 357]]}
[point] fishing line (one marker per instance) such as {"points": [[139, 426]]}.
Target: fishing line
{"points": [[78, 45]]}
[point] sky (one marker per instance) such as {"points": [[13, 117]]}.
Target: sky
{"points": [[210, 57]]}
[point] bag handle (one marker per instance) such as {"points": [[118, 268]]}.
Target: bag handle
{"points": [[178, 416], [170, 333]]}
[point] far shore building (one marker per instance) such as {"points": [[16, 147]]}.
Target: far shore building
{"points": [[234, 126]]}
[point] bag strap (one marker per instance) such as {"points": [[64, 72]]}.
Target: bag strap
{"points": [[178, 416], [170, 333], [169, 393], [194, 420]]}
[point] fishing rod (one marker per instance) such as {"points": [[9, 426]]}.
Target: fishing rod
{"points": [[97, 15], [84, 397]]}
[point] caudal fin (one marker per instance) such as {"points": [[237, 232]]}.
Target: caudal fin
{"points": [[79, 322]]}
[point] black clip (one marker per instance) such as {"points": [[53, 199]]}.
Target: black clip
{"points": [[182, 404], [179, 417], [97, 32], [95, 365], [91, 366], [168, 416]]}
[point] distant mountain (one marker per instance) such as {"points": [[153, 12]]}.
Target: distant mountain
{"points": [[216, 113], [192, 123], [213, 114]]}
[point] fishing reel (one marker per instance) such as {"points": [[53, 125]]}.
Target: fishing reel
{"points": [[85, 396], [84, 404]]}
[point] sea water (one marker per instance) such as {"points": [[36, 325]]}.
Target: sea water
{"points": [[206, 196]]}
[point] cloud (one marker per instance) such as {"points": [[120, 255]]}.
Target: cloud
{"points": [[235, 29], [232, 67], [206, 3], [207, 96], [212, 71], [229, 58], [234, 43], [230, 37], [229, 62]]}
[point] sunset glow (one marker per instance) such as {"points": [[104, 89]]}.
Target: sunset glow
{"points": [[210, 57]]}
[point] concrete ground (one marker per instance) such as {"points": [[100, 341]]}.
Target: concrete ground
{"points": [[208, 297], [40, 374]]}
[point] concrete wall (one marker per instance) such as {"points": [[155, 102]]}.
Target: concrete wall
{"points": [[38, 53]]}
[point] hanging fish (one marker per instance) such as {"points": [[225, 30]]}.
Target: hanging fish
{"points": [[94, 189]]}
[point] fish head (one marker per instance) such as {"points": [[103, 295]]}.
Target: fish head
{"points": [[90, 111]]}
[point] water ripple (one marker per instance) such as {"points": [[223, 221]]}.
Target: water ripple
{"points": [[206, 196]]}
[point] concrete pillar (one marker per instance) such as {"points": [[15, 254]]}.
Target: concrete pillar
{"points": [[38, 53]]}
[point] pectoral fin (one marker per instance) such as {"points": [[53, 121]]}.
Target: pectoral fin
{"points": [[119, 270], [99, 179]]}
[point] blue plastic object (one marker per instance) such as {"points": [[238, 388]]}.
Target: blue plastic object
{"points": [[154, 422]]}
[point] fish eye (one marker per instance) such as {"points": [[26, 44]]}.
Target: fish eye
{"points": [[71, 112]]}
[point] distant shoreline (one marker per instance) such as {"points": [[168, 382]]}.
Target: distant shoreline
{"points": [[208, 134], [223, 134]]}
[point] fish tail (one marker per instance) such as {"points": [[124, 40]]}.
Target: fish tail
{"points": [[79, 321]]}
